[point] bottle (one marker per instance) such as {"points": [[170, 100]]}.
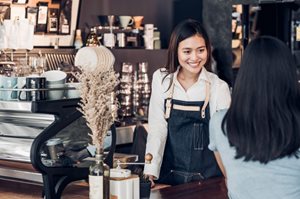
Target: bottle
{"points": [[65, 27], [52, 25], [92, 39], [99, 179], [41, 25], [121, 38], [296, 38], [156, 38], [78, 40]]}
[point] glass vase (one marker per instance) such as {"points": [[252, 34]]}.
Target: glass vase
{"points": [[99, 179]]}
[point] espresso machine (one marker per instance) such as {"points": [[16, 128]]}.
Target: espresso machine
{"points": [[42, 141]]}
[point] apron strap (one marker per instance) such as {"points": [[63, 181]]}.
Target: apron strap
{"points": [[207, 90], [169, 101], [170, 96]]}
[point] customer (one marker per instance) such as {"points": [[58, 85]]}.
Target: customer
{"points": [[184, 95], [258, 138]]}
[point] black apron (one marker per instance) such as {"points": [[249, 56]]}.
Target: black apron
{"points": [[186, 156]]}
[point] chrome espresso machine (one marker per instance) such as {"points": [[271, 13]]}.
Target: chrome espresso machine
{"points": [[44, 142]]}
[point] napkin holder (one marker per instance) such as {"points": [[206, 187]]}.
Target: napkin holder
{"points": [[124, 185]]}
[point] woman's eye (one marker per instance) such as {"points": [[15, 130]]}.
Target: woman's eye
{"points": [[186, 51], [201, 50]]}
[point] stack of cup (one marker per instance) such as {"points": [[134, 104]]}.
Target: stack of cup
{"points": [[32, 82], [126, 90], [56, 83], [144, 88], [148, 36], [8, 83]]}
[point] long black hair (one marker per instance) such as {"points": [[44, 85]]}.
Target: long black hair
{"points": [[182, 31], [263, 121]]}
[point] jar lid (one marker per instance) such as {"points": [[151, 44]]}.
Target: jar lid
{"points": [[120, 173]]}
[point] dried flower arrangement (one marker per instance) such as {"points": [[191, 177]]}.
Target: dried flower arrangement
{"points": [[97, 104]]}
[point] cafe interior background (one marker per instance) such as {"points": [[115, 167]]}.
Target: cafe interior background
{"points": [[217, 16], [59, 24]]}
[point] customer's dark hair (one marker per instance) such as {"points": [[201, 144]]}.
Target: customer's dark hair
{"points": [[182, 31], [263, 121]]}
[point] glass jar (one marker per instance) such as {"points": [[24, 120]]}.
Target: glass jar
{"points": [[78, 39], [134, 39]]}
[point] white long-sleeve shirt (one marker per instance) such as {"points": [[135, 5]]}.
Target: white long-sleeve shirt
{"points": [[158, 130]]}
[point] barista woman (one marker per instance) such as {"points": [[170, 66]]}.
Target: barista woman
{"points": [[184, 96]]}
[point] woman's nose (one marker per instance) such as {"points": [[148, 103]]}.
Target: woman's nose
{"points": [[194, 55]]}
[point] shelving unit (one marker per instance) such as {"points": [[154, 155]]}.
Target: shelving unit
{"points": [[155, 58]]}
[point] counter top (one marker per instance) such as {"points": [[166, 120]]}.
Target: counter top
{"points": [[213, 188]]}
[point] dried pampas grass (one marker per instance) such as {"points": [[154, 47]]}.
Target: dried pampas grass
{"points": [[97, 104]]}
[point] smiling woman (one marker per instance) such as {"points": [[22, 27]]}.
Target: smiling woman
{"points": [[184, 95]]}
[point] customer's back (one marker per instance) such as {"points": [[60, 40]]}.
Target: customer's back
{"points": [[258, 138], [278, 179]]}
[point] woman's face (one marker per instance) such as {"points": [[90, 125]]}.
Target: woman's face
{"points": [[192, 54]]}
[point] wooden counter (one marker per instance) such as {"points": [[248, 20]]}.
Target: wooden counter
{"points": [[210, 189]]}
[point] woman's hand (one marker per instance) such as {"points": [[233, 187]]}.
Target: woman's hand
{"points": [[151, 179]]}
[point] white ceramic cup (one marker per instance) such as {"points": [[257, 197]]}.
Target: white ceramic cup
{"points": [[74, 93], [21, 83], [55, 77], [9, 83], [56, 94], [1, 86], [125, 21]]}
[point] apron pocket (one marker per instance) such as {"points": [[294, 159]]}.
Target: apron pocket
{"points": [[198, 136]]}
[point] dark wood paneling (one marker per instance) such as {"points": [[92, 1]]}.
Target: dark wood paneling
{"points": [[155, 11], [155, 58], [164, 14]]}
